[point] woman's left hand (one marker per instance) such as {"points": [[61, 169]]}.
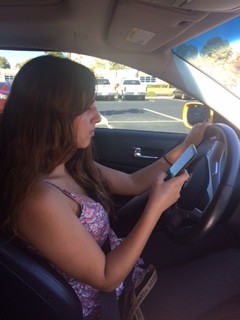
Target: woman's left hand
{"points": [[195, 136]]}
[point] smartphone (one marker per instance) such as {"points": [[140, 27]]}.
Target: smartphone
{"points": [[182, 162]]}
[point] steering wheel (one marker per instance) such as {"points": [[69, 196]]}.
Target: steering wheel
{"points": [[205, 197]]}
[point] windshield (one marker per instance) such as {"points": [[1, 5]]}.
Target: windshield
{"points": [[217, 54]]}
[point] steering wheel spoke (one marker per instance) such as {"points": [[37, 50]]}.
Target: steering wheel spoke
{"points": [[216, 163]]}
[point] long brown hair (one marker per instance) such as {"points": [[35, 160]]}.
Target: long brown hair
{"points": [[36, 132]]}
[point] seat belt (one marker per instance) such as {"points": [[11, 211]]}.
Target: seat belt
{"points": [[109, 306], [109, 302]]}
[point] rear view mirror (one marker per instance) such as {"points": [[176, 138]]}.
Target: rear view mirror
{"points": [[195, 112]]}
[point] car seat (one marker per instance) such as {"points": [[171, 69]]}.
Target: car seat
{"points": [[30, 288]]}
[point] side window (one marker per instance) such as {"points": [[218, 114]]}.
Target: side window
{"points": [[137, 101], [126, 98]]}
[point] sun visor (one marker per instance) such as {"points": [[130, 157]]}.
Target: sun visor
{"points": [[140, 27]]}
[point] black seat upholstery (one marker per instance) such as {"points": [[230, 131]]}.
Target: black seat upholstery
{"points": [[30, 288]]}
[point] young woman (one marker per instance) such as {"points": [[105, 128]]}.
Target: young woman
{"points": [[56, 198]]}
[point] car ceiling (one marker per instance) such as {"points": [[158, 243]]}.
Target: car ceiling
{"points": [[120, 30]]}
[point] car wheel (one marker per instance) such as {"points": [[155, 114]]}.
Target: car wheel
{"points": [[205, 197]]}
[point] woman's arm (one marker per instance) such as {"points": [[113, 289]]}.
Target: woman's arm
{"points": [[140, 181], [47, 222]]}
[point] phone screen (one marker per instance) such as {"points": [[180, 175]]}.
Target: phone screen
{"points": [[182, 162]]}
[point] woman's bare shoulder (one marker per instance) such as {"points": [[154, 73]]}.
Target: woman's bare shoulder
{"points": [[43, 194], [43, 204]]}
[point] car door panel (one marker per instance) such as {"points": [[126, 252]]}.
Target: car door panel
{"points": [[115, 148]]}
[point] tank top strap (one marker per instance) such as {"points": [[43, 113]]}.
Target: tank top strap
{"points": [[69, 194]]}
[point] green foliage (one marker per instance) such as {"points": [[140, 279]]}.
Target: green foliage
{"points": [[217, 49], [4, 64], [55, 54], [116, 66], [188, 52], [98, 64], [20, 64]]}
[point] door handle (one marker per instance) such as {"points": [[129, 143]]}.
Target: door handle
{"points": [[137, 154]]}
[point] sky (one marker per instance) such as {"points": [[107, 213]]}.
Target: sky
{"points": [[229, 30], [14, 57]]}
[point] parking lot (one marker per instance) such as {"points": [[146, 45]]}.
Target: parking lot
{"points": [[162, 114]]}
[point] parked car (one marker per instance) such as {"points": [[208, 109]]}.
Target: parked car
{"points": [[189, 44], [131, 88], [179, 94], [5, 88], [104, 89]]}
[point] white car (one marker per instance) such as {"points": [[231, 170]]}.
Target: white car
{"points": [[104, 89], [131, 88]]}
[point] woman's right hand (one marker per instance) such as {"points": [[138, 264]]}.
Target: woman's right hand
{"points": [[163, 194]]}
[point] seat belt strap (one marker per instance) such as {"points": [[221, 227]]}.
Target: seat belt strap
{"points": [[109, 301]]}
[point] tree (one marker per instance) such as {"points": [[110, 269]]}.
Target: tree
{"points": [[236, 63], [20, 64], [217, 49], [188, 52], [55, 54], [4, 64], [116, 66], [98, 64], [52, 53]]}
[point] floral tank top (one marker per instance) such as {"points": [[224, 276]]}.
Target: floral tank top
{"points": [[95, 219]]}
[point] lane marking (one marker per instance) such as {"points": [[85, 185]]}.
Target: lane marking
{"points": [[163, 114], [105, 121], [145, 121]]}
